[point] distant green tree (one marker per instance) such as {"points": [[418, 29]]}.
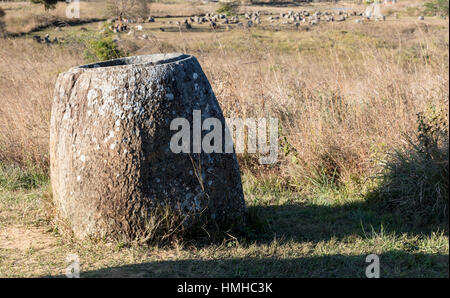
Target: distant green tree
{"points": [[128, 8], [437, 7], [228, 8], [101, 48], [2, 24], [48, 4]]}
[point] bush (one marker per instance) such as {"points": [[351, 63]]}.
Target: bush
{"points": [[228, 8], [437, 7], [101, 49], [48, 4], [2, 24], [416, 180]]}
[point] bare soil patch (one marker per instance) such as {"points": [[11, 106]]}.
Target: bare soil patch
{"points": [[25, 238]]}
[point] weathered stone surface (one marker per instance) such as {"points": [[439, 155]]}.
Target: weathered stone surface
{"points": [[111, 162]]}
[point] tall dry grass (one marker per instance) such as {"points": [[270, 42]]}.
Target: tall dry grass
{"points": [[344, 95], [342, 106], [27, 75]]}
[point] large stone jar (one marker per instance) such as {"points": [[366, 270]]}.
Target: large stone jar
{"points": [[111, 160]]}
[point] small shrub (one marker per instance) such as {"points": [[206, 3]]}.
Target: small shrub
{"points": [[437, 8], [228, 8], [48, 4], [101, 49], [416, 180]]}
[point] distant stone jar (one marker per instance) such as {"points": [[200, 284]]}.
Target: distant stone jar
{"points": [[110, 157]]}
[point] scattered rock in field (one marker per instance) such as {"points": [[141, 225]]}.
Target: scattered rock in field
{"points": [[234, 20], [37, 38], [287, 18], [47, 39], [314, 22]]}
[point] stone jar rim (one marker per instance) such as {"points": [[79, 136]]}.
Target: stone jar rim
{"points": [[134, 61]]}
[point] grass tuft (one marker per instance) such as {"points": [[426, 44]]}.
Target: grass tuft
{"points": [[13, 178], [415, 180]]}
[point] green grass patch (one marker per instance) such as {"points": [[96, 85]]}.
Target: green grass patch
{"points": [[290, 235], [14, 178]]}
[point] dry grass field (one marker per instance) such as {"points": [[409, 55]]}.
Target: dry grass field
{"points": [[347, 96]]}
